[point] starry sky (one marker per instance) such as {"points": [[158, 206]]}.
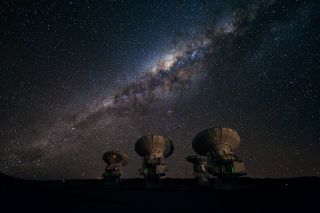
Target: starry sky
{"points": [[78, 78]]}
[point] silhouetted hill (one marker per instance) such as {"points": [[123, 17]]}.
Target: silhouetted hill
{"points": [[4, 177], [171, 195]]}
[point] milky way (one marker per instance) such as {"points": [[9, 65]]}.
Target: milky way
{"points": [[232, 64], [175, 71]]}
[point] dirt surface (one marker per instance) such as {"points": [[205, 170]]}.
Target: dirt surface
{"points": [[169, 195]]}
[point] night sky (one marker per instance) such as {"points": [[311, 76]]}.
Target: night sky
{"points": [[78, 78]]}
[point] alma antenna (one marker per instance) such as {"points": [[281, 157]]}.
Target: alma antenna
{"points": [[199, 167], [218, 144], [115, 160], [154, 149]]}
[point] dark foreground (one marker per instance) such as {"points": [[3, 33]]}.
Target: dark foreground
{"points": [[172, 195]]}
